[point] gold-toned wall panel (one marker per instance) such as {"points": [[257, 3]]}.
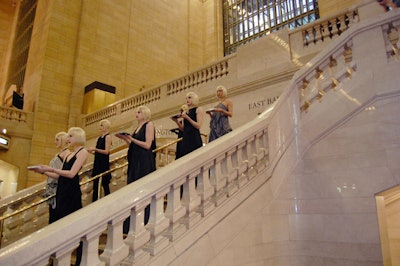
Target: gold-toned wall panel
{"points": [[328, 8], [95, 100]]}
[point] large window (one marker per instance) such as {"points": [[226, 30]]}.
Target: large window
{"points": [[246, 20]]}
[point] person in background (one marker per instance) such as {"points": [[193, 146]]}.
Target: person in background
{"points": [[179, 132], [219, 123], [69, 195], [389, 4], [192, 120], [141, 159], [101, 161], [60, 140]]}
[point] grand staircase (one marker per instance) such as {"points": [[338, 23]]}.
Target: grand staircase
{"points": [[261, 153]]}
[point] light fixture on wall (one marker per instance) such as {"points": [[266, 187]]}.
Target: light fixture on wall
{"points": [[4, 142]]}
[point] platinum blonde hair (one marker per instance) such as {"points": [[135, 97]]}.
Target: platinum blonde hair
{"points": [[145, 110], [79, 135], [62, 136], [106, 123], [224, 90], [194, 96]]}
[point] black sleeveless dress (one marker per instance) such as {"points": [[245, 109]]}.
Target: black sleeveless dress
{"points": [[191, 135], [101, 161], [140, 161], [101, 164], [69, 195]]}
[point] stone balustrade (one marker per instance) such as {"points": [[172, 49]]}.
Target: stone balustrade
{"points": [[13, 114]]}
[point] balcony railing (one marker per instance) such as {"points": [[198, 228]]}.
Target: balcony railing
{"points": [[161, 92]]}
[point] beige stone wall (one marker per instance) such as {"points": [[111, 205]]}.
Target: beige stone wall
{"points": [[328, 8], [49, 77], [126, 44]]}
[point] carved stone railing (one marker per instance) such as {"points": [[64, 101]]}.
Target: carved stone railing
{"points": [[161, 92], [330, 73], [27, 211], [13, 114], [329, 28], [217, 70], [218, 172]]}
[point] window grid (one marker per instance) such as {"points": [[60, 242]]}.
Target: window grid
{"points": [[246, 20]]}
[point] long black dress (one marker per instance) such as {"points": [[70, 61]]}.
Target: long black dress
{"points": [[101, 164], [68, 195], [140, 163], [69, 198], [191, 135]]}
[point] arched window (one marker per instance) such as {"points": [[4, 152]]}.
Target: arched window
{"points": [[246, 20]]}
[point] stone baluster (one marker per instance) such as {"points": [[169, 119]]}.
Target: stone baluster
{"points": [[306, 37], [251, 154], [195, 78], [224, 68], [115, 249], [91, 246], [232, 174], [191, 200], [348, 58], [213, 72], [203, 75], [157, 224], [137, 237], [174, 212], [261, 150], [205, 190], [240, 163], [63, 256], [218, 180]]}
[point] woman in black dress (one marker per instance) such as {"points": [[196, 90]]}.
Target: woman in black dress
{"points": [[192, 120], [57, 162], [141, 159], [101, 161], [69, 195]]}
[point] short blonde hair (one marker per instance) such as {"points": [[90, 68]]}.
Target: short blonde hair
{"points": [[62, 136], [106, 123], [194, 96], [224, 90], [79, 135], [145, 110]]}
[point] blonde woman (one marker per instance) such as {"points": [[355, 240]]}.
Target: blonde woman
{"points": [[192, 121], [69, 195], [219, 123], [101, 161], [60, 140], [141, 159]]}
